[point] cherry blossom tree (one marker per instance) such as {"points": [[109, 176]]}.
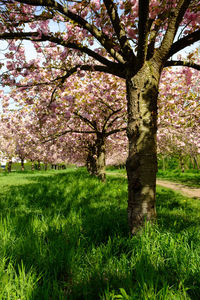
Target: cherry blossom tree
{"points": [[134, 40], [15, 139], [179, 112], [6, 145], [99, 113], [83, 109]]}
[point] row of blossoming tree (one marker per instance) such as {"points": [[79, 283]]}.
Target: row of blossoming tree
{"points": [[131, 39], [87, 119]]}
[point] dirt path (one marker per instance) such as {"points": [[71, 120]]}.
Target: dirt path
{"points": [[185, 190]]}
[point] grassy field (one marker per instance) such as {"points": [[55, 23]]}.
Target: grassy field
{"points": [[189, 177], [64, 235]]}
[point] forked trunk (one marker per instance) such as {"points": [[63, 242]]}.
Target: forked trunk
{"points": [[142, 94]]}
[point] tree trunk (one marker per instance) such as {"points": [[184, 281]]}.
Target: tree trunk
{"points": [[141, 165], [181, 163], [196, 165], [39, 166], [163, 163], [95, 162], [101, 158], [22, 164], [91, 160], [9, 166], [45, 166], [32, 165]]}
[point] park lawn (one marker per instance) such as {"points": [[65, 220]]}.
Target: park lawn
{"points": [[64, 235], [189, 177]]}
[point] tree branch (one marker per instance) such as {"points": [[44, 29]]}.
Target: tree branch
{"points": [[91, 68], [108, 118], [65, 132], [184, 42], [189, 64], [120, 32], [107, 43], [59, 41], [115, 131], [161, 18], [143, 31], [91, 124], [174, 20]]}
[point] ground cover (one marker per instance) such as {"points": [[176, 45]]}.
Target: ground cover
{"points": [[189, 177], [64, 235]]}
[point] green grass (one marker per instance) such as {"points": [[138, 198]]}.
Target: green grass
{"points": [[189, 177], [64, 235]]}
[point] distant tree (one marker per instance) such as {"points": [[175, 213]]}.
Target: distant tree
{"points": [[179, 112]]}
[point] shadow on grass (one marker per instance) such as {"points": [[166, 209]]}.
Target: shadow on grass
{"points": [[72, 229], [176, 213], [49, 219]]}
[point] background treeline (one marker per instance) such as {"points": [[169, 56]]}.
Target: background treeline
{"points": [[29, 166], [165, 162], [175, 161], [171, 162]]}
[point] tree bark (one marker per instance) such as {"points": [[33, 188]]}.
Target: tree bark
{"points": [[163, 163], [9, 166], [196, 165], [101, 158], [22, 164], [32, 165], [91, 160], [141, 165], [96, 161], [181, 163]]}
